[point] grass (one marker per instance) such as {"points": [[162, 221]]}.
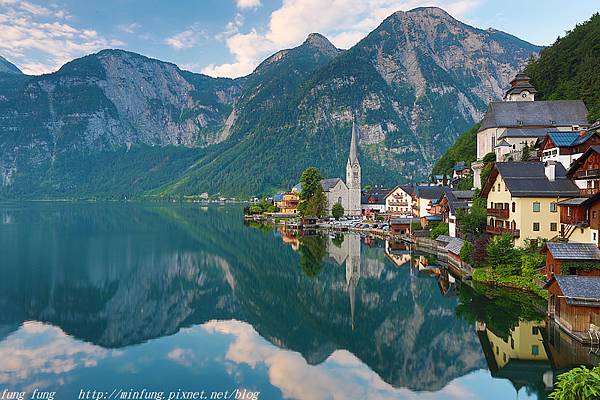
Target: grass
{"points": [[490, 277]]}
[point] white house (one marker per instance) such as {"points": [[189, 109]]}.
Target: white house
{"points": [[398, 201]]}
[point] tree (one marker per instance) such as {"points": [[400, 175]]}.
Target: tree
{"points": [[503, 256], [337, 211], [312, 251], [526, 152], [466, 251], [439, 229], [313, 202], [472, 221], [488, 160]]}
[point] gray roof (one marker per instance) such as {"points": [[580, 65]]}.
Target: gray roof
{"points": [[328, 184], [534, 113], [400, 221], [429, 192], [574, 251], [528, 179], [580, 290], [524, 133], [454, 245], [463, 194], [575, 201], [444, 238], [503, 143], [408, 189]]}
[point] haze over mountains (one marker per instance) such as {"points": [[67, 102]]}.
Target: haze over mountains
{"points": [[116, 123]]}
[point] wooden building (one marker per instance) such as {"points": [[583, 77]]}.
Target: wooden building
{"points": [[585, 172], [580, 219], [574, 305], [400, 226], [566, 147], [564, 259]]}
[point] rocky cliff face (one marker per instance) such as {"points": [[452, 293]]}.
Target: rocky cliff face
{"points": [[8, 67], [412, 85]]}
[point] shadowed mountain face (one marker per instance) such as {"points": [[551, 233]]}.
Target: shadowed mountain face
{"points": [[117, 276], [412, 85]]}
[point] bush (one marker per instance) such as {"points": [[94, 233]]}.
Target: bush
{"points": [[415, 226], [439, 229], [578, 384], [466, 251], [502, 255]]}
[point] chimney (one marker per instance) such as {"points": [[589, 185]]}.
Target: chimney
{"points": [[550, 170]]}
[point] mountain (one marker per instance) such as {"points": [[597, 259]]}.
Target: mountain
{"points": [[568, 70], [412, 85], [8, 67]]}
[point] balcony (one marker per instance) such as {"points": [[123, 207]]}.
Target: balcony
{"points": [[494, 230], [398, 203], [588, 192], [588, 173], [498, 212], [575, 220]]}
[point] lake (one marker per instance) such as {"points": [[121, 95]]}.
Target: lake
{"points": [[126, 300]]}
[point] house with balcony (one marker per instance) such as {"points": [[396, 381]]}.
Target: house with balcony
{"points": [[450, 202], [585, 172], [566, 147], [522, 199], [373, 202], [398, 202], [580, 219], [425, 200]]}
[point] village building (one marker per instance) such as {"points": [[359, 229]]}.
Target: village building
{"points": [[580, 219], [441, 180], [585, 172], [519, 121], [450, 202], [460, 170], [571, 258], [522, 199], [398, 202], [373, 202], [400, 226], [425, 199], [566, 147], [574, 305]]}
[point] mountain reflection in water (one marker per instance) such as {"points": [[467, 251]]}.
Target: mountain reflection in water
{"points": [[109, 295]]}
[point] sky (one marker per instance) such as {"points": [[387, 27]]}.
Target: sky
{"points": [[230, 37]]}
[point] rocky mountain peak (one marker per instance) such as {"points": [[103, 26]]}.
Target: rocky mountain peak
{"points": [[8, 67], [321, 43]]}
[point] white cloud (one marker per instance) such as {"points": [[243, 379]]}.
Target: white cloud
{"points": [[343, 21], [342, 376], [248, 3], [188, 38], [129, 28], [40, 41]]}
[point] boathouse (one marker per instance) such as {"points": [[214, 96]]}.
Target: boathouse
{"points": [[574, 305], [571, 259]]}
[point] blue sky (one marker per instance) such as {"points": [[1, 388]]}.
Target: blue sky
{"points": [[230, 37]]}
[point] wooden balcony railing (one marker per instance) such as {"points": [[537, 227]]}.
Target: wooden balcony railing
{"points": [[498, 212], [574, 220], [587, 192], [494, 230], [398, 203]]}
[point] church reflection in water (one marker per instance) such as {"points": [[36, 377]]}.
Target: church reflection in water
{"points": [[356, 308]]}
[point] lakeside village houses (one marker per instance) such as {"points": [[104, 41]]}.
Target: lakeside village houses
{"points": [[554, 195]]}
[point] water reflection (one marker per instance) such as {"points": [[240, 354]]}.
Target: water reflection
{"points": [[134, 294]]}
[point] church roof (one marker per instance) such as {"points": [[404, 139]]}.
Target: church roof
{"points": [[534, 113], [329, 184], [353, 157]]}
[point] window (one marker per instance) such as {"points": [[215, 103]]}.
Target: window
{"points": [[536, 226], [536, 207], [514, 206], [553, 227], [594, 214], [553, 207], [594, 236], [512, 343], [535, 350], [498, 187], [535, 330]]}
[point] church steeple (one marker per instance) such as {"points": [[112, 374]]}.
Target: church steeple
{"points": [[353, 157]]}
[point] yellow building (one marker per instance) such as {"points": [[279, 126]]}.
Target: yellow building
{"points": [[289, 203], [522, 199]]}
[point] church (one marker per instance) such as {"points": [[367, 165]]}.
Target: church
{"points": [[347, 193]]}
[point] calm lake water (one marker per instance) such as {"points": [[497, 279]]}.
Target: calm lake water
{"points": [[112, 297]]}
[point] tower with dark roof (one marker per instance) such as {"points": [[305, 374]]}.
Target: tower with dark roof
{"points": [[353, 172], [520, 89]]}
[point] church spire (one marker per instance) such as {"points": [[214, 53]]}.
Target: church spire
{"points": [[353, 157]]}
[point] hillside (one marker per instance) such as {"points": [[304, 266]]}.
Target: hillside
{"points": [[411, 85], [464, 149], [568, 70]]}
